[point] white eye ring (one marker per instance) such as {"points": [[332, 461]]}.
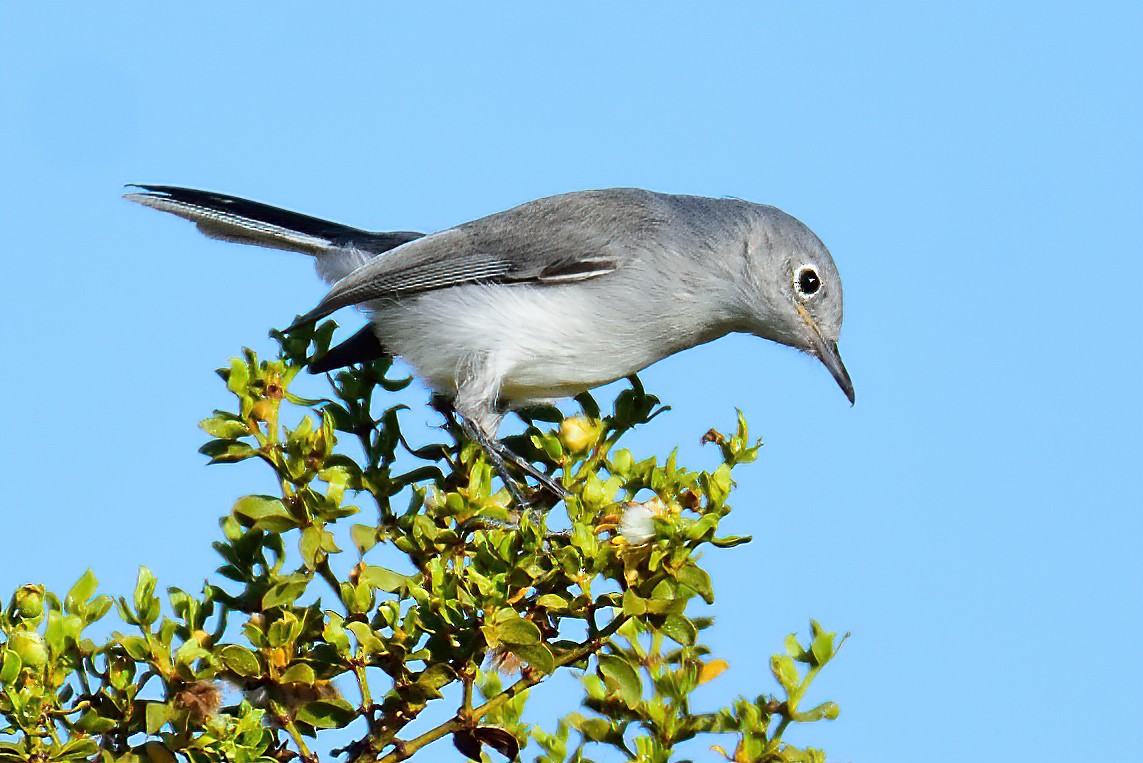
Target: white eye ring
{"points": [[807, 282]]}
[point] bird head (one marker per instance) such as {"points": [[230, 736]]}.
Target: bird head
{"points": [[791, 290]]}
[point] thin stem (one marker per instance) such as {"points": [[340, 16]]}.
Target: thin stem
{"points": [[366, 696], [466, 695], [288, 724], [62, 712]]}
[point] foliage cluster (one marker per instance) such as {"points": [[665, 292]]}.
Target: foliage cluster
{"points": [[455, 589]]}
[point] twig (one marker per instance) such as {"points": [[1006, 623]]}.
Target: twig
{"points": [[405, 750]]}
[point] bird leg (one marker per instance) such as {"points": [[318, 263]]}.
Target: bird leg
{"points": [[475, 434], [476, 405], [500, 455]]}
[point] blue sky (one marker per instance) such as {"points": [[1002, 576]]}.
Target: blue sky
{"points": [[974, 520]]}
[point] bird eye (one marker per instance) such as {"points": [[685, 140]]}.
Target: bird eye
{"points": [[806, 281]]}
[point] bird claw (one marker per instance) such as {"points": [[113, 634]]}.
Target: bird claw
{"points": [[500, 455]]}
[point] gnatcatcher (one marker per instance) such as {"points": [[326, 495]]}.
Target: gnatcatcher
{"points": [[553, 297]]}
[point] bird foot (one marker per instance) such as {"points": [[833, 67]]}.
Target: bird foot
{"points": [[501, 455]]}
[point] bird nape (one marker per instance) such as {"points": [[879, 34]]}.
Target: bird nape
{"points": [[552, 297]]}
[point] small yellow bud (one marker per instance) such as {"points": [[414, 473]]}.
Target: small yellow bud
{"points": [[30, 601], [263, 409], [279, 658], [579, 433]]}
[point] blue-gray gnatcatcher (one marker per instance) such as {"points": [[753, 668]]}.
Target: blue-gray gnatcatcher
{"points": [[555, 296]]}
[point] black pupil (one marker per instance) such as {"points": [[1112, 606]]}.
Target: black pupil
{"points": [[808, 282]]}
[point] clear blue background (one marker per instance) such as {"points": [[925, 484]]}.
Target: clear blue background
{"points": [[974, 520]]}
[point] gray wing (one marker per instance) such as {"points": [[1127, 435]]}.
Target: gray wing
{"points": [[231, 218], [437, 266], [560, 239]]}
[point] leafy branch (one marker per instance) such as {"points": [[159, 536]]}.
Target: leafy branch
{"points": [[452, 585]]}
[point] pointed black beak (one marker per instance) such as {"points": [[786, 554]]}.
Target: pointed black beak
{"points": [[827, 353], [832, 360]]}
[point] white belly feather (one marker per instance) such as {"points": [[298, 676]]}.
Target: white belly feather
{"points": [[538, 342]]}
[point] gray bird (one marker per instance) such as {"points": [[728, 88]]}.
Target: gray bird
{"points": [[552, 297]]}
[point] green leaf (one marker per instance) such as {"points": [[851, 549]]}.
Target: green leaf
{"points": [[334, 632], [146, 603], [136, 646], [366, 637], [224, 428], [284, 593], [227, 451], [77, 749], [150, 752], [240, 659], [436, 676], [719, 483], [619, 675], [730, 541], [538, 656], [331, 713], [156, 715], [551, 446], [697, 580], [97, 608], [238, 377], [621, 462], [364, 537], [633, 605], [552, 602], [681, 629], [518, 631], [190, 651], [83, 590], [309, 545], [822, 648], [12, 752], [382, 578], [701, 527], [594, 687], [786, 672], [53, 636], [92, 722], [597, 729], [299, 673], [794, 649], [264, 512], [10, 667], [824, 711]]}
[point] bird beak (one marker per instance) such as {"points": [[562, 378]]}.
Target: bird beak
{"points": [[827, 353]]}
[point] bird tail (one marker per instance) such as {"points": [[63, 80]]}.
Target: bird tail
{"points": [[250, 222]]}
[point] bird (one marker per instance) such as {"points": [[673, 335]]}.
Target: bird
{"points": [[552, 297]]}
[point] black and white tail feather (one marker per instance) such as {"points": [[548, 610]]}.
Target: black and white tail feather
{"points": [[338, 249], [230, 218]]}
